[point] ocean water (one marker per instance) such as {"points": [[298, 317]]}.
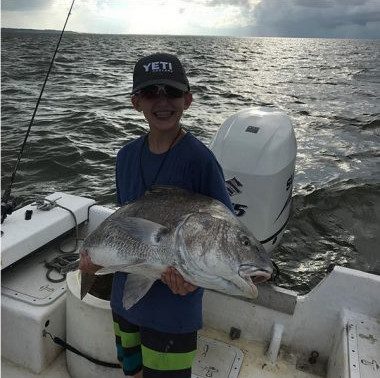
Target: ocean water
{"points": [[330, 88]]}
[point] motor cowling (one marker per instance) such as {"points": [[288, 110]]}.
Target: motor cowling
{"points": [[257, 148]]}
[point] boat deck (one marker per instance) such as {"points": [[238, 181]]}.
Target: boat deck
{"points": [[56, 370], [346, 330], [255, 363]]}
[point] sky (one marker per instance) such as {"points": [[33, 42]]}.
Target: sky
{"points": [[268, 18]]}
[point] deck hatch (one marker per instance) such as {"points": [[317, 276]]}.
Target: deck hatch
{"points": [[364, 348], [26, 281], [216, 359]]}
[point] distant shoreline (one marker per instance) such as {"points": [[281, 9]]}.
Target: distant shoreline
{"points": [[21, 30], [53, 31]]}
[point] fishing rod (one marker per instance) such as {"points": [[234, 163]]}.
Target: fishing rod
{"points": [[7, 202]]}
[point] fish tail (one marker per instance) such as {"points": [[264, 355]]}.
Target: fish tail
{"points": [[87, 280]]}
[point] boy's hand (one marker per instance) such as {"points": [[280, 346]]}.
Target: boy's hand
{"points": [[86, 265], [176, 283]]}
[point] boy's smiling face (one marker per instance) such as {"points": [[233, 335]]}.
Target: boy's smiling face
{"points": [[163, 113]]}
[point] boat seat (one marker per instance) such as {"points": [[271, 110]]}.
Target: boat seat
{"points": [[22, 237]]}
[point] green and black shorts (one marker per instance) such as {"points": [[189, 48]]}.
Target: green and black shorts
{"points": [[158, 354]]}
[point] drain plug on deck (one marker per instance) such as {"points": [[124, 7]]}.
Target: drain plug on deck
{"points": [[235, 333], [313, 357]]}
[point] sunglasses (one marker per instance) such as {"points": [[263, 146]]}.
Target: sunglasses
{"points": [[153, 91]]}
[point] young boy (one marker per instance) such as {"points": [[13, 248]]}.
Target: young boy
{"points": [[157, 336]]}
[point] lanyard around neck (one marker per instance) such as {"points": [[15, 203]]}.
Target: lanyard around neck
{"points": [[145, 143]]}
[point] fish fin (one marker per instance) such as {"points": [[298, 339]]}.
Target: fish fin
{"points": [[145, 269], [142, 229], [109, 270], [167, 189], [86, 282], [215, 215], [135, 288]]}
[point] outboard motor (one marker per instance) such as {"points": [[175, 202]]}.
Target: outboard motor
{"points": [[256, 148]]}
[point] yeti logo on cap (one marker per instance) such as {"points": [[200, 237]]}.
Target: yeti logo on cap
{"points": [[158, 67]]}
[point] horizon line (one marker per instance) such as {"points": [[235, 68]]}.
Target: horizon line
{"points": [[191, 35]]}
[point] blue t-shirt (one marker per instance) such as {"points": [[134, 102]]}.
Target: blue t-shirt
{"points": [[188, 165]]}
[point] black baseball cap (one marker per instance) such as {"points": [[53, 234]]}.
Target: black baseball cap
{"points": [[159, 68]]}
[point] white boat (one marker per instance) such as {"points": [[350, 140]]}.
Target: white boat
{"points": [[333, 331]]}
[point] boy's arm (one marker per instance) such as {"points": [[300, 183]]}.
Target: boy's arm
{"points": [[86, 265], [176, 283]]}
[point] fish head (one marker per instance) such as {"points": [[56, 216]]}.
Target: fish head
{"points": [[224, 247], [249, 260]]}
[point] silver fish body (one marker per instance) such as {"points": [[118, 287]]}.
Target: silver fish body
{"points": [[168, 226]]}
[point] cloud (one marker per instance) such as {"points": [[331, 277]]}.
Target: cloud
{"points": [[24, 5], [244, 4], [303, 18], [34, 14], [282, 18], [237, 3], [318, 18]]}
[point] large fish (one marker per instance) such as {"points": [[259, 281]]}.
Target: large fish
{"points": [[168, 226]]}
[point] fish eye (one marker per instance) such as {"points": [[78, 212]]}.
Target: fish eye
{"points": [[246, 242]]}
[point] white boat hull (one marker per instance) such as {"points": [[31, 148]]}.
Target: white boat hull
{"points": [[339, 319]]}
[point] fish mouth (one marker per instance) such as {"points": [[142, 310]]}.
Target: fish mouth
{"points": [[254, 275], [260, 276]]}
